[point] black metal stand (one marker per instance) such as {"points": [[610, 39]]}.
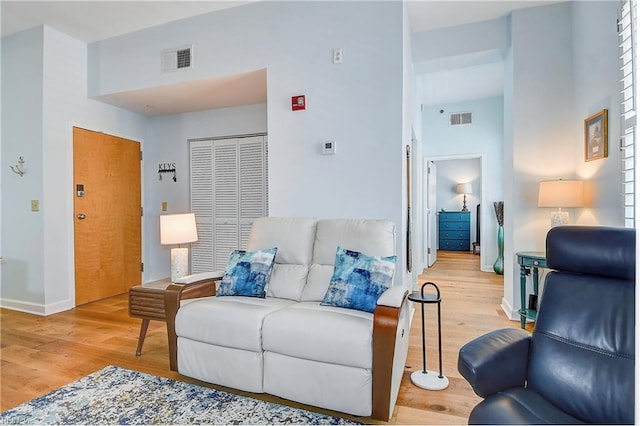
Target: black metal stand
{"points": [[429, 379]]}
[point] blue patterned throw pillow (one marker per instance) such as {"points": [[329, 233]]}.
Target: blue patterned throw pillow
{"points": [[247, 273], [359, 280]]}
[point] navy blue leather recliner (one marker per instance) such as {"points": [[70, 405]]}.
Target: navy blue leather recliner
{"points": [[578, 364]]}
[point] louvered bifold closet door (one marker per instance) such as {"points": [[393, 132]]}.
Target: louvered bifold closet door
{"points": [[228, 191], [252, 183], [201, 180], [225, 196]]}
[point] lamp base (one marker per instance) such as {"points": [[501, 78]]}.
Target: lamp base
{"points": [[429, 380], [464, 203], [179, 263], [559, 218]]}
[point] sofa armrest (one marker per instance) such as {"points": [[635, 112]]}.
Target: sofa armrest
{"points": [[387, 329], [495, 361], [172, 297], [393, 297], [204, 276]]}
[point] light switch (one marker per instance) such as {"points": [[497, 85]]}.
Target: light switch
{"points": [[35, 205], [164, 206], [329, 147]]}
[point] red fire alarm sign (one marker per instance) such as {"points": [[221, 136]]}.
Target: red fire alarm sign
{"points": [[298, 103]]}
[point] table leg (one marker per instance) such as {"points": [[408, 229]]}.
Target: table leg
{"points": [[424, 353], [523, 295], [143, 334]]}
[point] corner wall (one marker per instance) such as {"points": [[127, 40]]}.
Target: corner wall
{"points": [[44, 80]]}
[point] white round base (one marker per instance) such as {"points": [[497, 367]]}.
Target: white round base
{"points": [[429, 380]]}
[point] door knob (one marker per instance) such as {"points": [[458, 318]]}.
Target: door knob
{"points": [[81, 216]]}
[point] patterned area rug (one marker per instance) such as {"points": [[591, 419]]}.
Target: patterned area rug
{"points": [[114, 395]]}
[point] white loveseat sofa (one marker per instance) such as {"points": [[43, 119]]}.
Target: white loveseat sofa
{"points": [[287, 344]]}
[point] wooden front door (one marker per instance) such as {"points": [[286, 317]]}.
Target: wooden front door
{"points": [[107, 210]]}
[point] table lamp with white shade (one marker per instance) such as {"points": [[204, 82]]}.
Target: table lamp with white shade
{"points": [[178, 229], [464, 188], [558, 194]]}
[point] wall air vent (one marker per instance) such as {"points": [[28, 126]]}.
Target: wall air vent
{"points": [[458, 118], [179, 58]]}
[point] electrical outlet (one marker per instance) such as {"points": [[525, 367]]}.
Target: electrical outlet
{"points": [[35, 205], [337, 56], [164, 206]]}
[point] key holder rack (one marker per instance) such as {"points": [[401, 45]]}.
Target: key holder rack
{"points": [[164, 168]]}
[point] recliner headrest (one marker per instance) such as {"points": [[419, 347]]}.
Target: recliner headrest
{"points": [[592, 250]]}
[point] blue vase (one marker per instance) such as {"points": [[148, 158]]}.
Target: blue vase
{"points": [[498, 266]]}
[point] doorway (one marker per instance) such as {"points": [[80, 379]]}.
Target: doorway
{"points": [[107, 215], [442, 176]]}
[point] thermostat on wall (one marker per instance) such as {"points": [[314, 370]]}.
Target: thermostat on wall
{"points": [[329, 147]]}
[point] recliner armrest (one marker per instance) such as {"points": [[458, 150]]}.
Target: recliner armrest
{"points": [[172, 296], [393, 297], [495, 361], [204, 276]]}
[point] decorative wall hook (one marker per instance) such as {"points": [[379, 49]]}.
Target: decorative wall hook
{"points": [[19, 168], [167, 168]]}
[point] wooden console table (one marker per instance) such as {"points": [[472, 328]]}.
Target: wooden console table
{"points": [[146, 302]]}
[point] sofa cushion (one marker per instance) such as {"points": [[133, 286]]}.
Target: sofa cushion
{"points": [[371, 236], [317, 282], [231, 321], [247, 273], [310, 331], [294, 239], [358, 280]]}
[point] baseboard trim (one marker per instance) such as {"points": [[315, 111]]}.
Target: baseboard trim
{"points": [[36, 308], [512, 314]]}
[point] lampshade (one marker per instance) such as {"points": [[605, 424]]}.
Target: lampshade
{"points": [[560, 193], [178, 228], [464, 188]]}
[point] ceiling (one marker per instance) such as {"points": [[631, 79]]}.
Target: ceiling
{"points": [[91, 21]]}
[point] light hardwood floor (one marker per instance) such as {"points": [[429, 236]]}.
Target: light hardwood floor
{"points": [[39, 354]]}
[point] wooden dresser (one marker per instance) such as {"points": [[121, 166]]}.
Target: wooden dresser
{"points": [[454, 231]]}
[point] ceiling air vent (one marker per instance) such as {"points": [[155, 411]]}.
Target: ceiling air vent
{"points": [[458, 118], [179, 58]]}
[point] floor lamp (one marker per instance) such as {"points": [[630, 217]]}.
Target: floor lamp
{"points": [[178, 229]]}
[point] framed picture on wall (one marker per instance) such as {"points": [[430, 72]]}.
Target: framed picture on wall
{"points": [[596, 138]]}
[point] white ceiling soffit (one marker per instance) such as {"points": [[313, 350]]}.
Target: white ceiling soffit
{"points": [[462, 84], [91, 21], [425, 15], [217, 92]]}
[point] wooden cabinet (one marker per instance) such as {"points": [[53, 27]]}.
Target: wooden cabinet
{"points": [[454, 231]]}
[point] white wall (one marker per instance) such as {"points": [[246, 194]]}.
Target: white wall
{"points": [[358, 103], [483, 139], [22, 230], [44, 81], [543, 133], [166, 138], [595, 77]]}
